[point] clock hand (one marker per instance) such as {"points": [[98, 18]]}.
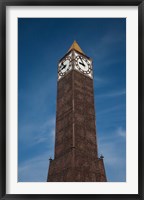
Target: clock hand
{"points": [[62, 66], [82, 64]]}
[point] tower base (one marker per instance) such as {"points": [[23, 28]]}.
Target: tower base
{"points": [[73, 166]]}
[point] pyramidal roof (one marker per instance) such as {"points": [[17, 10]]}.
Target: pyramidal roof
{"points": [[76, 47]]}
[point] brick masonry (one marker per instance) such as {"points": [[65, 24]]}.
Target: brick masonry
{"points": [[76, 155]]}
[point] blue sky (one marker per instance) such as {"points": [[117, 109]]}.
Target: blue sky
{"points": [[41, 43]]}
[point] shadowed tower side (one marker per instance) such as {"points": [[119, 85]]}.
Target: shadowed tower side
{"points": [[76, 151]]}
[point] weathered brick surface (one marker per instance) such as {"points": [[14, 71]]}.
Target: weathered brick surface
{"points": [[76, 156]]}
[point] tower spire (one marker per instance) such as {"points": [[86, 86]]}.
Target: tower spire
{"points": [[76, 47]]}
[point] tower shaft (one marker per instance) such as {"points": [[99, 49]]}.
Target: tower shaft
{"points": [[76, 155]]}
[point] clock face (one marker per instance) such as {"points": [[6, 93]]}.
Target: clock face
{"points": [[83, 65], [64, 66]]}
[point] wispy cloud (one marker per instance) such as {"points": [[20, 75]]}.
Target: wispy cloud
{"points": [[36, 97], [112, 94], [43, 137], [99, 81], [111, 109], [34, 169], [121, 132], [115, 134], [40, 137], [106, 43], [113, 148], [104, 49], [32, 134], [110, 154]]}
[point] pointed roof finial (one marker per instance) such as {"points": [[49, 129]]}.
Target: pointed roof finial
{"points": [[101, 157], [76, 47], [50, 159]]}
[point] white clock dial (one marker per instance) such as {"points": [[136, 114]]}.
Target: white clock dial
{"points": [[64, 66], [83, 65]]}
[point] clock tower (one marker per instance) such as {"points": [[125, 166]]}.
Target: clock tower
{"points": [[76, 151]]}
